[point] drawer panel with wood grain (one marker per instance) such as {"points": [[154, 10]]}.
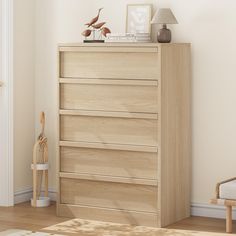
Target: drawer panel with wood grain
{"points": [[119, 65], [117, 130], [109, 215], [109, 195], [125, 98], [109, 162]]}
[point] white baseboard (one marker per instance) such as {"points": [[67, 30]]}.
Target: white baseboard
{"points": [[22, 195], [26, 194], [197, 209], [208, 210]]}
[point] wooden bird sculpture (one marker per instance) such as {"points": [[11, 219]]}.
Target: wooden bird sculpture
{"points": [[95, 19], [96, 29], [99, 25], [87, 33], [105, 31]]}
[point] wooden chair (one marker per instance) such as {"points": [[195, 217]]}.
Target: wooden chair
{"points": [[226, 196]]}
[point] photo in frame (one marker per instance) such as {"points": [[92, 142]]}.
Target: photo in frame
{"points": [[138, 18]]}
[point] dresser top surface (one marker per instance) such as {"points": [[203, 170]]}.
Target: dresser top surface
{"points": [[147, 45]]}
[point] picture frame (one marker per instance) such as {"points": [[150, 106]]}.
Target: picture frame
{"points": [[138, 18]]}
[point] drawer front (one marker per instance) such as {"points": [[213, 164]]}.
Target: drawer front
{"points": [[109, 97], [109, 65], [109, 162], [109, 215], [109, 195], [109, 130]]}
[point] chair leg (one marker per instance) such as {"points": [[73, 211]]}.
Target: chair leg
{"points": [[229, 219]]}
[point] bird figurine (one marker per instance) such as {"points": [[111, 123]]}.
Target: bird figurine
{"points": [[95, 19], [99, 25], [105, 31], [87, 33], [96, 29]]}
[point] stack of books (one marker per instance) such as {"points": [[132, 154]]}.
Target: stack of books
{"points": [[143, 37], [128, 38], [120, 38]]}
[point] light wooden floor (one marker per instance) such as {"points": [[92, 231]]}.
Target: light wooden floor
{"points": [[22, 216]]}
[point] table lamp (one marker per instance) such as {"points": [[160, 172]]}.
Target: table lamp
{"points": [[164, 16]]}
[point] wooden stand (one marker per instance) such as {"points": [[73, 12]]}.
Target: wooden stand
{"points": [[40, 169], [229, 219]]}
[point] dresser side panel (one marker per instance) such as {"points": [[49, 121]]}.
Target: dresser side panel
{"points": [[175, 133]]}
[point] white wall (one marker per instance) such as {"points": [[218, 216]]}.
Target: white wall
{"points": [[23, 92], [211, 28], [208, 24], [59, 21]]}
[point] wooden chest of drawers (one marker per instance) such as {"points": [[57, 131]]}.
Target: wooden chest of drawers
{"points": [[124, 145]]}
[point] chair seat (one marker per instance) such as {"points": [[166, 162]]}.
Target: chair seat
{"points": [[228, 190]]}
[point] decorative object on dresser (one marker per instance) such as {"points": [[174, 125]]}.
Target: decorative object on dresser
{"points": [[124, 132], [138, 20], [164, 16], [120, 38], [40, 168], [98, 30], [143, 37], [128, 38]]}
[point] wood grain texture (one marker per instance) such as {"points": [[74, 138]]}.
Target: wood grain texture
{"points": [[113, 46], [229, 225], [175, 142], [107, 178], [109, 195], [114, 114], [124, 48], [23, 216], [109, 215], [109, 65], [109, 146], [119, 104], [223, 202], [109, 162], [58, 133], [109, 130], [108, 82], [109, 97]]}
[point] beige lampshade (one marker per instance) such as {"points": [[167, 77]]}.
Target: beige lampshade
{"points": [[164, 16]]}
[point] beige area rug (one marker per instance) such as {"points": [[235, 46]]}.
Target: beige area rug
{"points": [[18, 232], [81, 227]]}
